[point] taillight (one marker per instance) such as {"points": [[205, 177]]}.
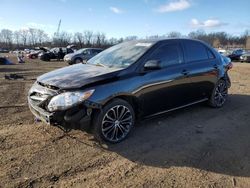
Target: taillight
{"points": [[230, 66]]}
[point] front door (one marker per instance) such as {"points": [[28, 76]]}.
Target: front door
{"points": [[168, 87]]}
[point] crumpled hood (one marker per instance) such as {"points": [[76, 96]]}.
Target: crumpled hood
{"points": [[76, 76]]}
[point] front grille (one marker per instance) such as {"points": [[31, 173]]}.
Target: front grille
{"points": [[40, 96]]}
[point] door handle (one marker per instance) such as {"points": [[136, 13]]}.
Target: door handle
{"points": [[185, 72]]}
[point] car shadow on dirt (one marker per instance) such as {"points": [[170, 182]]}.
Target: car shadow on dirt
{"points": [[204, 138]]}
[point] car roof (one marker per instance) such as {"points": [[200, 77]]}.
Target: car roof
{"points": [[91, 49], [168, 39]]}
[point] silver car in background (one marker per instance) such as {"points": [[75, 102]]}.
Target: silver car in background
{"points": [[81, 55]]}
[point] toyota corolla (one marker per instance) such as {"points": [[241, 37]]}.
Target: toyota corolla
{"points": [[130, 81]]}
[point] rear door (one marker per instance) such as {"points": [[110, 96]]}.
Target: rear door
{"points": [[168, 87], [202, 66]]}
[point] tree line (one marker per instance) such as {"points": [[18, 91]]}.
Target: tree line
{"points": [[32, 37]]}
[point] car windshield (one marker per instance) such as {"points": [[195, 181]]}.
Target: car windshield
{"points": [[80, 51], [121, 55]]}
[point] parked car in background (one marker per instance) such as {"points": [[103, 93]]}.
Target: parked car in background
{"points": [[81, 55], [34, 54], [55, 53], [224, 52], [134, 79], [27, 51], [5, 61], [235, 55], [3, 50], [245, 57]]}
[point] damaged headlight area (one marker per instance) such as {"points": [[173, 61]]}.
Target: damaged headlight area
{"points": [[67, 100]]}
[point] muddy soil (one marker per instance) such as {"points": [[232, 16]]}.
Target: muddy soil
{"points": [[194, 147]]}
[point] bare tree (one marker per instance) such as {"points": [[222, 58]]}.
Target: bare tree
{"points": [[100, 39], [128, 38], [42, 37], [248, 43], [153, 37], [245, 37], [24, 36], [103, 39], [174, 34], [7, 37], [79, 39], [16, 38], [62, 39], [88, 35], [113, 41], [33, 36]]}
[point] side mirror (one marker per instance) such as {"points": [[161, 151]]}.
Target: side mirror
{"points": [[152, 65]]}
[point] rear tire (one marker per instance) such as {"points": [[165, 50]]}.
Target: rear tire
{"points": [[219, 95], [114, 122]]}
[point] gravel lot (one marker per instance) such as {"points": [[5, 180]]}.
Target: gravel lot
{"points": [[194, 147]]}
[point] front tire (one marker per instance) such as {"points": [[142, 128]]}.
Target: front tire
{"points": [[46, 58], [114, 122], [77, 60], [219, 95]]}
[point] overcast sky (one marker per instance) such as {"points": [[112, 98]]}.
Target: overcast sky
{"points": [[120, 18]]}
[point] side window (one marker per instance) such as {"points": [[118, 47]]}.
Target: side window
{"points": [[86, 52], [64, 50], [168, 54], [69, 50], [95, 51], [210, 54], [195, 51]]}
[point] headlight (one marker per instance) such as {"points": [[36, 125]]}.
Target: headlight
{"points": [[68, 99]]}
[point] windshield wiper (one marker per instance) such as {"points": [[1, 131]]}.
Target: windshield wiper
{"points": [[96, 64], [100, 65]]}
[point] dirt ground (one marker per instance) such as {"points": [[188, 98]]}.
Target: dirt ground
{"points": [[194, 147]]}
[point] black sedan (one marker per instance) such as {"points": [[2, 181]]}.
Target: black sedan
{"points": [[245, 57], [129, 81], [55, 53], [236, 54]]}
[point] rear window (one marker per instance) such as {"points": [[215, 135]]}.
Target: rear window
{"points": [[195, 51]]}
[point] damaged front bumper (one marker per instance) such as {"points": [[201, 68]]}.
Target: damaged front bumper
{"points": [[80, 114], [38, 99], [41, 114]]}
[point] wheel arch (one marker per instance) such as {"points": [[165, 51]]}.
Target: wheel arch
{"points": [[132, 100], [75, 58]]}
